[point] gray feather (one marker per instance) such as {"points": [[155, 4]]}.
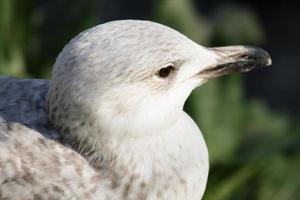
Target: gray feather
{"points": [[24, 101]]}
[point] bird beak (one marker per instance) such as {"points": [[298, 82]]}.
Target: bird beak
{"points": [[235, 59]]}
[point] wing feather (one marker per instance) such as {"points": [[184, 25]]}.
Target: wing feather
{"points": [[24, 101], [35, 167]]}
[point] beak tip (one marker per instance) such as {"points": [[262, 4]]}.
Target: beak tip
{"points": [[269, 62], [261, 57], [242, 58]]}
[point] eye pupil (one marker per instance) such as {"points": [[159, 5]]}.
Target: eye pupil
{"points": [[166, 71]]}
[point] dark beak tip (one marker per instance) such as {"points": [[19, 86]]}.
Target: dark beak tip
{"points": [[269, 62], [261, 57], [239, 58]]}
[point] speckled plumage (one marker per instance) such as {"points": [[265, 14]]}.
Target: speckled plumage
{"points": [[34, 165], [108, 126], [37, 166]]}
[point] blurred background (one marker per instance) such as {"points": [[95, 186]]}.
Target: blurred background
{"points": [[250, 121]]}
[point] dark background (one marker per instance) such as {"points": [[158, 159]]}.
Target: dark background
{"points": [[250, 121]]}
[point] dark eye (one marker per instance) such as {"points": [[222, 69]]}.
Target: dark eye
{"points": [[166, 71]]}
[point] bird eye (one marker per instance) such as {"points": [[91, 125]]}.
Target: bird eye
{"points": [[166, 71]]}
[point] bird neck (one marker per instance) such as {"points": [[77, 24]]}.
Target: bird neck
{"points": [[178, 153]]}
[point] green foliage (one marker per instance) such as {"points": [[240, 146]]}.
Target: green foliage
{"points": [[189, 21], [254, 152], [235, 24], [13, 23]]}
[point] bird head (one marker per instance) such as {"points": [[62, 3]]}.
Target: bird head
{"points": [[131, 78]]}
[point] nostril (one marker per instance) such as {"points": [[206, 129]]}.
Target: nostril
{"points": [[245, 56]]}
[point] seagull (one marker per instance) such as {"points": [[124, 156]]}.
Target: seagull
{"points": [[110, 124]]}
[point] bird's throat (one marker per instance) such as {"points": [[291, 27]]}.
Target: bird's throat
{"points": [[176, 160]]}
